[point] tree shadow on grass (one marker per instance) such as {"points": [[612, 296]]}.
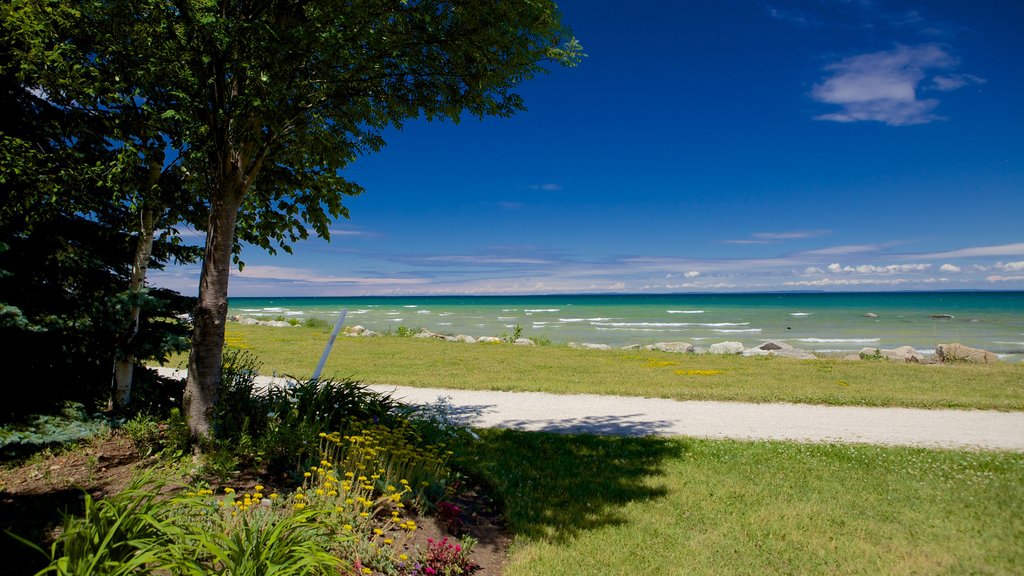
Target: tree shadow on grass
{"points": [[554, 486]]}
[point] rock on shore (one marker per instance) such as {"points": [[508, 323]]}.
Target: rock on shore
{"points": [[901, 354], [959, 353]]}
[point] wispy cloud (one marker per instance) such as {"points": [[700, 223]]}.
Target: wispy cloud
{"points": [[1010, 266], [846, 250], [951, 268], [883, 86], [979, 251], [301, 275], [352, 233], [772, 237], [549, 187], [794, 17]]}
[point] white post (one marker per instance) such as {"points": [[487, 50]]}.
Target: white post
{"points": [[330, 344]]}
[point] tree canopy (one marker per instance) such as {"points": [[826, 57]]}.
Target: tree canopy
{"points": [[266, 102]]}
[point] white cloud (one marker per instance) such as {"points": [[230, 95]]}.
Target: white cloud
{"points": [[813, 270], [1005, 278], [1010, 266], [839, 282], [951, 82], [1001, 250], [300, 275], [949, 268], [844, 250], [692, 274], [836, 268], [883, 86]]}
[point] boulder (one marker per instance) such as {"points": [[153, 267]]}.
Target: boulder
{"points": [[780, 349], [960, 353], [354, 330], [726, 348], [524, 342], [428, 334], [466, 339], [489, 340], [901, 354], [851, 357], [675, 347], [367, 333], [588, 346]]}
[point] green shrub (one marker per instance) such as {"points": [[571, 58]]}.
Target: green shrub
{"points": [[72, 424], [318, 323], [405, 331]]}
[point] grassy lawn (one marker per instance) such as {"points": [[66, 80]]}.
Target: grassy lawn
{"points": [[432, 363], [582, 505]]}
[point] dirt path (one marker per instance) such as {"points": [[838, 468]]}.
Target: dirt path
{"points": [[622, 415]]}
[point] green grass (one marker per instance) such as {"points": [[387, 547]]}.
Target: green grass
{"points": [[556, 369], [582, 505]]}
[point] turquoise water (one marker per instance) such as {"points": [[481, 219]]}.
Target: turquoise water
{"points": [[832, 323]]}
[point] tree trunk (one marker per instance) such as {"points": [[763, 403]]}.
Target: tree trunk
{"points": [[124, 364], [124, 361], [203, 385]]}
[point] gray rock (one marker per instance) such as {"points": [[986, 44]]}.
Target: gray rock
{"points": [[466, 339], [524, 342], [588, 346], [675, 347], [774, 345], [780, 349], [367, 333], [901, 354], [489, 340], [726, 348], [851, 357], [959, 353]]}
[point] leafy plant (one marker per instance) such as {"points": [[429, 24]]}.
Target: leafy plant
{"points": [[405, 331], [314, 322]]}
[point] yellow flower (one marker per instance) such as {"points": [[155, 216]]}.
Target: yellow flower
{"points": [[273, 496], [258, 488], [299, 497], [347, 527], [319, 492], [229, 490], [300, 506], [332, 493], [364, 515], [403, 557], [367, 570], [389, 541], [306, 474]]}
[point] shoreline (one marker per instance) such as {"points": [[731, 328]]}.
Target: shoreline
{"points": [[779, 347]]}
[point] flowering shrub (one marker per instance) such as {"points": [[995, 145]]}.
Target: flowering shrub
{"points": [[448, 558]]}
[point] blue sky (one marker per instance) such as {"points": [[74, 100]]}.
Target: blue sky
{"points": [[703, 147]]}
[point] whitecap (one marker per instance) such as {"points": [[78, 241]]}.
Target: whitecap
{"points": [[801, 313], [273, 309], [506, 318], [840, 340], [670, 324], [444, 323], [445, 313], [358, 311], [728, 331], [250, 309], [685, 311], [423, 311], [544, 310], [392, 313], [584, 319], [410, 306]]}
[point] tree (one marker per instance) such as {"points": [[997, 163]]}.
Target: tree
{"points": [[287, 93], [91, 64], [70, 168]]}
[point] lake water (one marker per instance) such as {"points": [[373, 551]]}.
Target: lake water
{"points": [[820, 322]]}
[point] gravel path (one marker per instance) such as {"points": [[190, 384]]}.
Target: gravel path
{"points": [[631, 416]]}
